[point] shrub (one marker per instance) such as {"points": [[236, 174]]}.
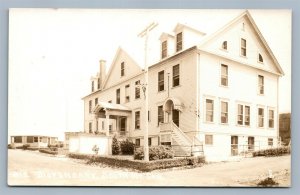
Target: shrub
{"points": [[273, 151], [11, 146], [25, 146], [115, 146], [140, 165], [155, 153], [268, 182], [48, 151], [127, 147]]}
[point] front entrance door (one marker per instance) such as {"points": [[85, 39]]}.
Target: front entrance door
{"points": [[234, 145], [122, 125], [175, 117]]}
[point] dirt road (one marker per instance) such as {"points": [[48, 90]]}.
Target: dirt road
{"points": [[33, 168]]}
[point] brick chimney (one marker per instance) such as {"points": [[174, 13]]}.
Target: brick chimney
{"points": [[102, 74]]}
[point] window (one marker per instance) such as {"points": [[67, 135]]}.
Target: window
{"points": [[224, 45], [209, 110], [97, 123], [271, 118], [110, 127], [160, 115], [18, 139], [247, 115], [102, 125], [251, 143], [137, 142], [243, 47], [127, 93], [260, 84], [122, 69], [243, 115], [224, 75], [90, 106], [240, 114], [92, 86], [260, 117], [118, 96], [161, 81], [208, 140], [149, 141], [260, 58], [176, 75], [137, 90], [90, 128], [96, 101], [137, 120], [29, 139], [270, 141], [179, 41], [35, 139], [224, 112], [148, 115], [164, 49], [98, 87]]}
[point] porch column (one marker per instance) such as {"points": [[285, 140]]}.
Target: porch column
{"points": [[107, 123]]}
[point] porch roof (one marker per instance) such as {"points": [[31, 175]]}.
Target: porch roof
{"points": [[110, 106]]}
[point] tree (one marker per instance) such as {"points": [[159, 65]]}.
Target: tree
{"points": [[115, 146]]}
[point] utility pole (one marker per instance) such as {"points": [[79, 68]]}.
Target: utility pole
{"points": [[145, 33]]}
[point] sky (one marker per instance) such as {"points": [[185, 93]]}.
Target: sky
{"points": [[54, 52]]}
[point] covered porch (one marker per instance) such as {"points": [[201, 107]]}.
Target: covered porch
{"points": [[112, 119]]}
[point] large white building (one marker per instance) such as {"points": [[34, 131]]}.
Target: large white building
{"points": [[218, 90]]}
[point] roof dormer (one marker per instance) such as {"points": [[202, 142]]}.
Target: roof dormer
{"points": [[166, 43], [186, 37]]}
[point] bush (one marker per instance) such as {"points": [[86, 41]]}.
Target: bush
{"points": [[155, 153], [11, 146], [25, 146], [273, 151], [268, 182], [115, 146], [127, 147], [48, 151], [140, 165]]}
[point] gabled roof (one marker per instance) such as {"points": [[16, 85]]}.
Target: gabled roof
{"points": [[165, 35], [110, 106], [113, 64], [247, 15], [179, 25]]}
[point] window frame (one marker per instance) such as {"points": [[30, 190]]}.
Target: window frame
{"points": [[261, 85], [137, 89], [179, 43], [90, 106], [224, 112], [137, 120], [90, 127], [224, 45], [122, 69], [96, 101], [161, 80], [118, 96], [224, 76], [209, 139], [272, 119], [92, 87], [175, 77], [127, 93], [262, 117], [138, 140], [160, 117], [164, 49], [207, 111], [243, 47]]}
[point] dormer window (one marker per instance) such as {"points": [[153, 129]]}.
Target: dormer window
{"points": [[260, 58], [92, 86], [98, 83], [224, 45], [122, 69], [179, 42], [164, 49]]}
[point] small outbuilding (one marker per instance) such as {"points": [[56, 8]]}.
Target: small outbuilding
{"points": [[35, 141]]}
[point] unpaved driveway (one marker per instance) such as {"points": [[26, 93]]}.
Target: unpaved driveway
{"points": [[33, 168]]}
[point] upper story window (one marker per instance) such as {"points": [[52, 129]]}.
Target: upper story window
{"points": [[224, 75], [137, 120], [224, 112], [164, 49], [271, 118], [243, 47], [176, 75], [96, 101], [260, 84], [260, 117], [240, 116], [247, 115], [127, 93], [160, 115], [118, 96], [98, 83], [90, 106], [92, 86], [224, 45], [179, 42], [208, 139], [209, 110], [122, 69], [260, 58], [90, 127], [161, 81], [137, 89]]}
